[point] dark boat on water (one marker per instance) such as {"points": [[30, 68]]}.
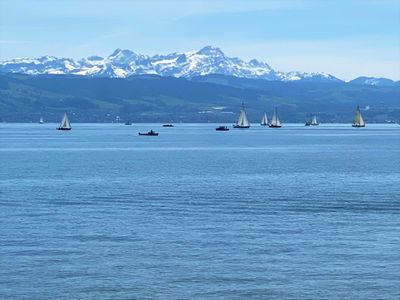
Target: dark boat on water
{"points": [[128, 123], [168, 125], [222, 128], [150, 133]]}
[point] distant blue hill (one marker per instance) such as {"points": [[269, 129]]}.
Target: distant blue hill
{"points": [[209, 98], [374, 81]]}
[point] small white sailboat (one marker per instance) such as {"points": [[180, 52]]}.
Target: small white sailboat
{"points": [[65, 124], [313, 121], [264, 120], [275, 122], [358, 119], [242, 121], [41, 121]]}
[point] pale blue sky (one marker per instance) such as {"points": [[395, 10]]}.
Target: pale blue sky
{"points": [[344, 38]]}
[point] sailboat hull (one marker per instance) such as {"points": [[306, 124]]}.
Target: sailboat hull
{"points": [[357, 125], [240, 126], [275, 126], [60, 128]]}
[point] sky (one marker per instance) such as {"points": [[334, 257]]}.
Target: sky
{"points": [[344, 38]]}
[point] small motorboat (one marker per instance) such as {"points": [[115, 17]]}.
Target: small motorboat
{"points": [[222, 128], [150, 133], [168, 125], [128, 123]]}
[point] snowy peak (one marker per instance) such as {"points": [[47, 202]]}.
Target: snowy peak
{"points": [[210, 51], [124, 63]]}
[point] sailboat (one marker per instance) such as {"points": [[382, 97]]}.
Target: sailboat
{"points": [[65, 125], [275, 122], [41, 120], [264, 120], [358, 119], [312, 122], [242, 121]]}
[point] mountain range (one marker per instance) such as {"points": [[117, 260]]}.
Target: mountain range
{"points": [[206, 61]]}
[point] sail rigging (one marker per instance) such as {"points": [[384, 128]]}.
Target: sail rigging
{"points": [[65, 124], [275, 122], [358, 119], [264, 120], [314, 120], [242, 122]]}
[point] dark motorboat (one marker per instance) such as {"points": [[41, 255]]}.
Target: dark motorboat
{"points": [[222, 128], [168, 125], [128, 123], [150, 133]]}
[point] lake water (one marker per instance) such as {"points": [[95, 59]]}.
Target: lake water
{"points": [[290, 213]]}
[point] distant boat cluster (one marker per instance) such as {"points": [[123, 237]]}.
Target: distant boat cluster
{"points": [[276, 123], [242, 122]]}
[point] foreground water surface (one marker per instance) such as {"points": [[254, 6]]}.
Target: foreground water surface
{"points": [[290, 213]]}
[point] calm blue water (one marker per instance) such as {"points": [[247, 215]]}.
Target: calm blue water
{"points": [[291, 213]]}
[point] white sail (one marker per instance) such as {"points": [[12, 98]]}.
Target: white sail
{"points": [[362, 123], [358, 119], [65, 122], [242, 121], [264, 120], [275, 119], [314, 120]]}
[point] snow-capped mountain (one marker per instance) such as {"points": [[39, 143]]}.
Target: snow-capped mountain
{"points": [[125, 63]]}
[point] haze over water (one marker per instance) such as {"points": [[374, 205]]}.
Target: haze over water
{"points": [[290, 213]]}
